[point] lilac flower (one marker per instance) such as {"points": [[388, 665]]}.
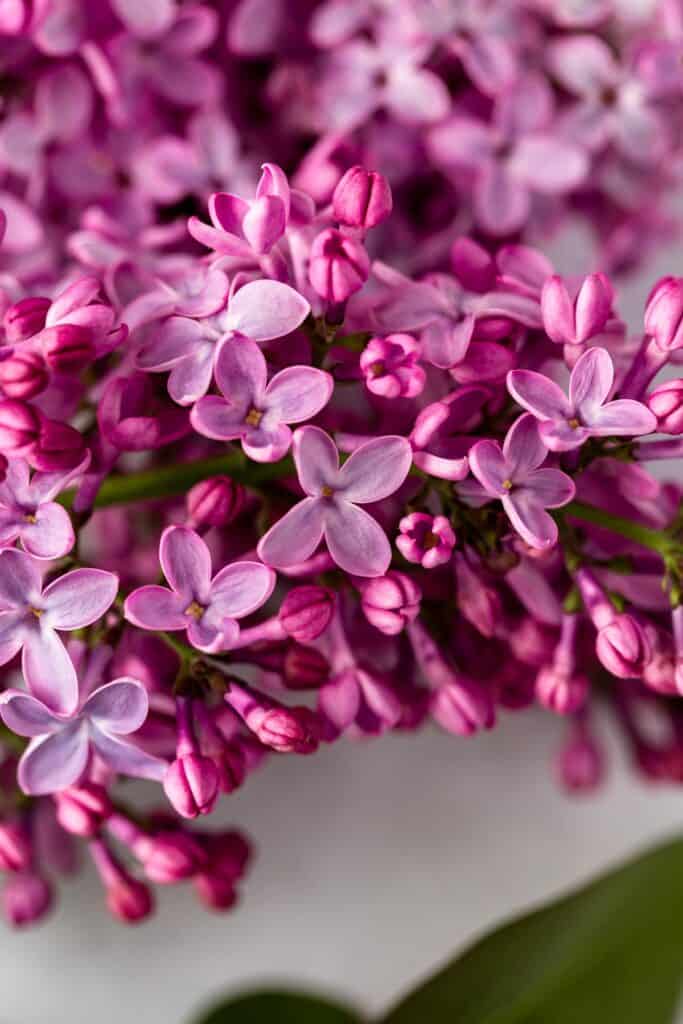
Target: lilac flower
{"points": [[512, 474], [439, 436], [62, 744], [207, 607], [255, 411], [330, 509], [565, 423], [391, 368], [426, 540], [260, 310], [30, 618], [29, 513]]}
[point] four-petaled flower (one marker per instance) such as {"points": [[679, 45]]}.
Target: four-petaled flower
{"points": [[565, 423], [355, 540], [29, 513], [512, 474], [206, 607]]}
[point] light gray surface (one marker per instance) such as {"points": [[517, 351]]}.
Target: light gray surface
{"points": [[376, 861]]}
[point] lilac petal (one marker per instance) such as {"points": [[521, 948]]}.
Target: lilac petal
{"points": [[191, 378], [45, 487], [227, 211], [19, 579], [79, 598], [548, 164], [126, 758], [444, 344], [267, 445], [523, 269], [591, 382], [558, 311], [339, 699], [529, 518], [489, 467], [220, 241], [295, 537], [416, 95], [523, 448], [316, 458], [485, 361], [26, 716], [241, 371], [172, 340], [241, 588], [15, 488], [12, 634], [593, 305], [155, 607], [215, 417], [298, 393], [501, 202], [186, 563], [538, 394], [489, 62], [11, 524], [562, 436], [264, 223], [623, 417], [51, 533], [119, 707], [375, 470], [146, 20], [54, 762], [583, 64], [461, 142], [273, 182], [210, 298], [75, 297], [551, 487], [49, 671], [212, 633], [355, 540], [438, 465], [263, 310]]}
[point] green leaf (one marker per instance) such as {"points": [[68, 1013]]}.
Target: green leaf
{"points": [[279, 1008], [610, 953]]}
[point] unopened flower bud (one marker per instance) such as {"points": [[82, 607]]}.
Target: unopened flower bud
{"points": [[580, 765], [15, 847], [232, 767], [463, 706], [289, 730], [561, 692], [129, 900], [390, 601], [20, 427], [215, 892], [339, 265], [303, 668], [666, 402], [623, 648], [362, 199], [25, 899], [23, 375], [25, 318], [59, 447], [306, 611], [664, 313], [191, 785], [83, 809], [214, 502], [169, 857], [68, 348]]}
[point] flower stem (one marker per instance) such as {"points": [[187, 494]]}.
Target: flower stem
{"points": [[644, 535]]}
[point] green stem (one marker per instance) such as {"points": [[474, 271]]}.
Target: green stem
{"points": [[648, 538]]}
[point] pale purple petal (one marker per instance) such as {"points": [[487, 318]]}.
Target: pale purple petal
{"points": [[591, 382], [241, 371], [54, 762], [12, 634], [538, 394], [186, 563], [267, 445], [445, 343], [558, 311], [501, 202], [46, 486], [523, 448], [339, 699], [563, 435], [79, 598], [146, 20], [623, 418], [298, 393], [126, 758], [19, 579], [355, 540], [583, 64], [489, 62], [530, 520], [173, 339], [551, 487], [241, 588], [208, 299], [212, 633], [484, 361], [215, 417], [191, 377], [119, 707], [76, 296], [316, 458], [548, 164], [375, 470], [26, 716], [416, 95], [263, 310], [295, 537], [489, 467], [264, 223], [51, 533], [49, 671], [461, 141], [155, 607]]}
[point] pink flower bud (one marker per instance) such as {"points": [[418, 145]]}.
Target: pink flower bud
{"points": [[390, 601], [232, 767], [59, 447], [561, 692], [666, 402], [463, 706], [425, 540], [82, 810], [169, 857], [580, 765], [20, 426], [362, 199], [391, 368], [15, 847], [215, 892], [25, 899], [664, 313], [303, 668], [623, 648], [229, 853], [192, 785], [339, 265], [478, 601], [306, 611], [25, 318], [23, 375], [288, 730], [214, 502], [129, 900], [68, 348]]}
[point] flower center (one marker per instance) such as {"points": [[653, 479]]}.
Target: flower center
{"points": [[35, 611], [29, 518], [327, 491], [430, 540], [507, 484], [574, 423], [377, 369], [253, 417], [195, 610]]}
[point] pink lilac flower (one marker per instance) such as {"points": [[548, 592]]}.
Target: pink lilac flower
{"points": [[565, 423], [330, 509], [207, 607], [391, 368], [574, 322], [426, 540], [255, 410], [29, 513], [512, 474]]}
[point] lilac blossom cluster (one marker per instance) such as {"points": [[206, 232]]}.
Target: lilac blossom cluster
{"points": [[324, 446]]}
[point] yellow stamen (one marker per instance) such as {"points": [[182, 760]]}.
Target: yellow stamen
{"points": [[507, 484], [574, 423], [195, 610], [29, 518], [253, 417], [327, 491], [36, 611]]}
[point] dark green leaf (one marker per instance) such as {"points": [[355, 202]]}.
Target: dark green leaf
{"points": [[279, 1008], [611, 953]]}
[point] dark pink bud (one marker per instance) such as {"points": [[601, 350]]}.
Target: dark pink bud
{"points": [[192, 785], [463, 706], [289, 730], [623, 647], [664, 313], [232, 767], [3, 468], [580, 765], [391, 601], [228, 853], [68, 348], [214, 502], [23, 375], [215, 892], [20, 426], [666, 402], [362, 199], [82, 810], [561, 692], [303, 668], [339, 265], [478, 601], [59, 447], [26, 898], [25, 318], [169, 857], [15, 847], [306, 611], [129, 900]]}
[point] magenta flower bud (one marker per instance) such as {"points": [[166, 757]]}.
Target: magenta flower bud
{"points": [[473, 266], [214, 502], [304, 668], [425, 540], [20, 427], [391, 601], [82, 810], [68, 348], [215, 892], [362, 199], [24, 375], [306, 611], [561, 692], [232, 767], [192, 785], [391, 368], [289, 730], [129, 900], [666, 402], [15, 847], [3, 468], [580, 764], [25, 318], [463, 706], [623, 647], [339, 265], [478, 601], [664, 313], [59, 447], [169, 857], [25, 899]]}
